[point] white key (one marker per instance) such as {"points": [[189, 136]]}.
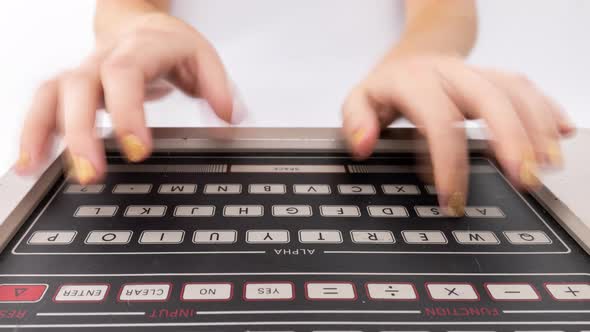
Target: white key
{"points": [[356, 189], [400, 189], [52, 237], [223, 189], [430, 189], [215, 237], [527, 237], [424, 237], [330, 291], [484, 212], [569, 291], [243, 211], [288, 169], [291, 211], [392, 291], [320, 236], [177, 189], [312, 189], [109, 237], [476, 237], [512, 292], [145, 211], [267, 189], [452, 292], [84, 189], [373, 237], [387, 211], [207, 292], [86, 211], [269, 291], [430, 212], [144, 293], [86, 293], [267, 236], [134, 188], [340, 211], [194, 211], [161, 237]]}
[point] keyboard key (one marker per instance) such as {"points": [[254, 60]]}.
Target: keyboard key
{"points": [[484, 212], [243, 211], [84, 189], [320, 236], [288, 169], [452, 292], [22, 293], [342, 291], [312, 189], [512, 292], [177, 189], [109, 237], [52, 237], [291, 211], [86, 211], [161, 237], [223, 189], [269, 291], [267, 236], [372, 237], [267, 189], [387, 211], [565, 291], [430, 212], [194, 211], [159, 292], [81, 293], [132, 188], [207, 292], [476, 237], [392, 291], [145, 211], [400, 189], [527, 237], [340, 211], [431, 189], [215, 237], [356, 189], [424, 237]]}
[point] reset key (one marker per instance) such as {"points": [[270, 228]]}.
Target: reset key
{"points": [[144, 293], [22, 293]]}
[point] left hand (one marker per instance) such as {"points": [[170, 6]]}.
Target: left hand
{"points": [[437, 93]]}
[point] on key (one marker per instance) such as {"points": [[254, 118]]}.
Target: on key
{"points": [[22, 293]]}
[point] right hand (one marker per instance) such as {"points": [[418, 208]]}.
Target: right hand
{"points": [[153, 47]]}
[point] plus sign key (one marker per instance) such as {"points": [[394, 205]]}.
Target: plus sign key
{"points": [[569, 291], [22, 293]]}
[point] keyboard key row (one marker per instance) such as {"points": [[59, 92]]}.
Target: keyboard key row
{"points": [[285, 291], [375, 211], [259, 188], [281, 236]]}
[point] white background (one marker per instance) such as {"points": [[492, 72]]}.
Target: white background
{"points": [[545, 39]]}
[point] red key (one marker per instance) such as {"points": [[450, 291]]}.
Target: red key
{"points": [[26, 293]]}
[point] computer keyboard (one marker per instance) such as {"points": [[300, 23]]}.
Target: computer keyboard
{"points": [[290, 242]]}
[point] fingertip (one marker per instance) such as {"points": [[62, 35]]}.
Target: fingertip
{"points": [[453, 204], [134, 148], [362, 141]]}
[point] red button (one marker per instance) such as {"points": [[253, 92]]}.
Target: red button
{"points": [[30, 293]]}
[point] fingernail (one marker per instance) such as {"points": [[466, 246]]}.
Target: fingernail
{"points": [[134, 149], [82, 169], [239, 109], [456, 205], [528, 171], [23, 162], [554, 154], [358, 136]]}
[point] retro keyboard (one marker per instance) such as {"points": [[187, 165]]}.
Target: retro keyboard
{"points": [[289, 242]]}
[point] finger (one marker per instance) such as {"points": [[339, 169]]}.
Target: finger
{"points": [[535, 114], [361, 125], [80, 92], [565, 125], [479, 98], [38, 129]]}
